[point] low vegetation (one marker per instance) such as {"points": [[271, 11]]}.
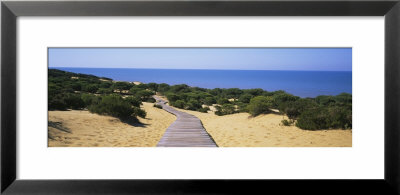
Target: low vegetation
{"points": [[157, 106], [99, 95], [322, 112], [123, 99]]}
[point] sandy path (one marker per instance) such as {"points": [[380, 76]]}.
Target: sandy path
{"points": [[88, 130]]}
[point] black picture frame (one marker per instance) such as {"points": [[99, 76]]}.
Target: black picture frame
{"points": [[11, 10]]}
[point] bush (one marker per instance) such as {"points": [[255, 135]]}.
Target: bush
{"points": [[152, 86], [209, 101], [242, 107], [225, 109], [76, 86], [193, 105], [286, 122], [313, 119], [139, 112], [172, 97], [91, 88], [57, 103], [145, 95], [282, 97], [74, 101], [222, 101], [105, 84], [113, 105], [150, 100], [325, 118], [53, 89], [163, 87], [179, 104], [89, 99], [205, 109], [157, 106], [66, 101], [245, 98], [104, 91], [122, 85], [134, 101], [228, 109], [134, 90], [259, 105]]}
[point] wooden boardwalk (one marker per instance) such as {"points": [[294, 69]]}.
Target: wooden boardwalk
{"points": [[186, 131]]}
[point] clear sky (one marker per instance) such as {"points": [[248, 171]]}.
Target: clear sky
{"points": [[316, 59]]}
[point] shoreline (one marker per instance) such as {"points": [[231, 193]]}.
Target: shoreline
{"points": [[304, 93]]}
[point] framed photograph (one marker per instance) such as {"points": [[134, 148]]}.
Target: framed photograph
{"points": [[205, 97]]}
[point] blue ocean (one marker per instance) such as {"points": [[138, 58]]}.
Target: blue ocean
{"points": [[299, 83]]}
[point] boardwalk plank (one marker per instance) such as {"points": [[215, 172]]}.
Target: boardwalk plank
{"points": [[186, 131]]}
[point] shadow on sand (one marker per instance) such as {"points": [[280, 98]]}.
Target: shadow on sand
{"points": [[134, 122], [59, 126]]}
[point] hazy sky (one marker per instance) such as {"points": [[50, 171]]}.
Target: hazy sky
{"points": [[320, 59]]}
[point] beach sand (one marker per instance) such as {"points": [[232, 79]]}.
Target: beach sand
{"points": [[83, 129], [241, 130]]}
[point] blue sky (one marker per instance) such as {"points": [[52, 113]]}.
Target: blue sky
{"points": [[314, 59]]}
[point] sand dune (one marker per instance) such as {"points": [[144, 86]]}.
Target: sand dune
{"points": [[84, 129], [240, 130]]}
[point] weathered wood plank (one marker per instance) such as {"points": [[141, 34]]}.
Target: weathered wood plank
{"points": [[186, 131]]}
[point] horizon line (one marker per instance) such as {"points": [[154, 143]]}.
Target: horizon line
{"points": [[203, 69]]}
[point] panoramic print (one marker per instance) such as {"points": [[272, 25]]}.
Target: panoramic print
{"points": [[199, 97]]}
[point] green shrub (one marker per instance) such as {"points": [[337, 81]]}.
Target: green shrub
{"points": [[193, 105], [122, 85], [163, 87], [254, 92], [314, 119], [225, 109], [89, 99], [104, 91], [91, 88], [139, 112], [209, 101], [172, 97], [245, 98], [57, 102], [157, 106], [134, 101], [74, 101], [179, 104], [281, 97], [219, 111], [134, 90], [286, 122], [242, 107], [260, 104], [204, 109], [113, 105], [325, 118], [106, 85], [228, 109], [76, 86], [145, 95], [152, 86], [222, 101], [150, 100]]}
